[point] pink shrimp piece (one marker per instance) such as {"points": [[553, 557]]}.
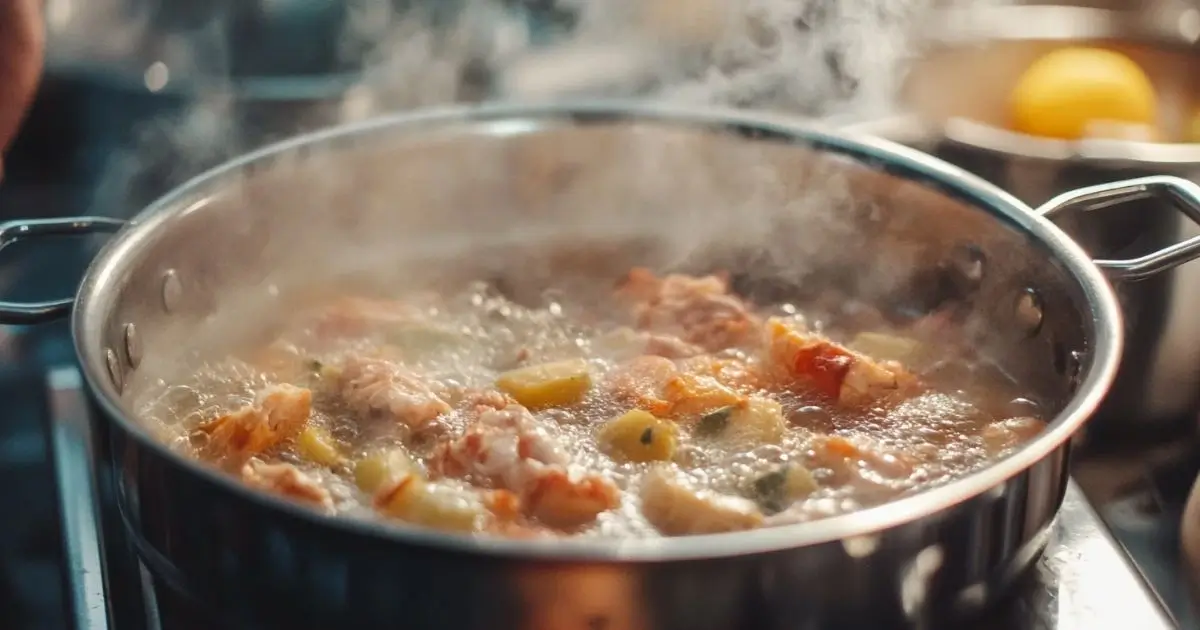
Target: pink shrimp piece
{"points": [[376, 386]]}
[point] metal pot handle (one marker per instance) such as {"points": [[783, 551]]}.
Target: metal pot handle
{"points": [[16, 313], [1182, 194]]}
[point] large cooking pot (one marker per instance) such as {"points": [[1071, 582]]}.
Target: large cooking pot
{"points": [[955, 100], [532, 194]]}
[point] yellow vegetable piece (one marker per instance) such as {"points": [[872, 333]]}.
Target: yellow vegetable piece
{"points": [[415, 501], [316, 445], [885, 347], [1071, 89], [638, 436], [557, 384], [381, 468], [759, 421]]}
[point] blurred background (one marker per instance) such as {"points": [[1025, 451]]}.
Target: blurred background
{"points": [[140, 95]]}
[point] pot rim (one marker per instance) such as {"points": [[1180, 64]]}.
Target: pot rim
{"points": [[95, 300]]}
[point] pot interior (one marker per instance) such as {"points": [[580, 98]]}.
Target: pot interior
{"points": [[542, 200]]}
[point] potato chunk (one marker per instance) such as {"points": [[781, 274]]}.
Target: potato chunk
{"points": [[638, 436], [677, 509], [317, 446], [413, 500], [557, 384], [383, 467]]}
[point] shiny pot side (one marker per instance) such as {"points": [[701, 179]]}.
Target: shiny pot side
{"points": [[204, 269]]}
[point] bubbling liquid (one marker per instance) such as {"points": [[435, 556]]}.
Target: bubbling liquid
{"points": [[964, 414]]}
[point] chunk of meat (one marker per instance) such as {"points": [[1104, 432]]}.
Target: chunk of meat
{"points": [[700, 309], [509, 448], [495, 448], [658, 385], [641, 382], [379, 387], [734, 373], [691, 395], [815, 364], [670, 504], [288, 481], [278, 413], [567, 499]]}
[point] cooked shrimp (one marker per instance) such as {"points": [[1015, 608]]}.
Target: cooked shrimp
{"points": [[511, 449], [286, 480], [701, 309], [641, 382], [278, 413], [376, 386], [826, 368], [676, 509], [567, 499]]}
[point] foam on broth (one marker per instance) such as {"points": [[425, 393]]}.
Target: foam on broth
{"points": [[946, 430]]}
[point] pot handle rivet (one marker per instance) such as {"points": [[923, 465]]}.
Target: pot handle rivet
{"points": [[172, 290], [1182, 194], [1029, 311], [133, 346], [114, 369]]}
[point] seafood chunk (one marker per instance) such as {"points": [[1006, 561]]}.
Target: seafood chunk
{"points": [[826, 368], [701, 309], [676, 509], [278, 413], [375, 386], [565, 499], [286, 480], [640, 382], [657, 385], [509, 448]]}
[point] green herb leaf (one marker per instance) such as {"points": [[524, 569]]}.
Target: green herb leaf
{"points": [[770, 490], [714, 422]]}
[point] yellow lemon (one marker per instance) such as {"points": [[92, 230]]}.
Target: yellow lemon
{"points": [[1069, 90], [1193, 130]]}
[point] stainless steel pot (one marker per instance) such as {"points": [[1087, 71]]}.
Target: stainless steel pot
{"points": [[534, 194], [955, 98]]}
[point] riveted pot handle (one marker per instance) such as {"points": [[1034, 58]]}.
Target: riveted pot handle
{"points": [[13, 231], [1182, 194]]}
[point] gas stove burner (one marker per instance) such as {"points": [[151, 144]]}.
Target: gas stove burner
{"points": [[1082, 582]]}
